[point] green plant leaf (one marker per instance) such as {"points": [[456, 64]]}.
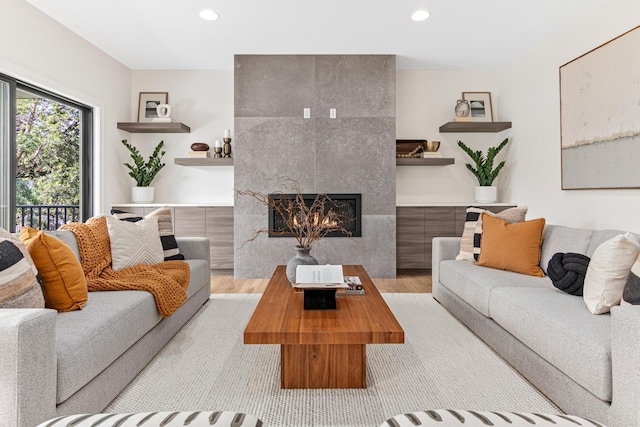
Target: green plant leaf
{"points": [[144, 172], [484, 170]]}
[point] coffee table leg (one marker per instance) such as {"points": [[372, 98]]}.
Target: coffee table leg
{"points": [[323, 366]]}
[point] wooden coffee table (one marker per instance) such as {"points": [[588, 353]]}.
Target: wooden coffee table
{"points": [[322, 348]]}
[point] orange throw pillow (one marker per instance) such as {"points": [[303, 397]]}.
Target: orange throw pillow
{"points": [[63, 281], [512, 247]]}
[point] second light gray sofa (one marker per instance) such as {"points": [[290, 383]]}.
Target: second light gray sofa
{"points": [[589, 365], [54, 364]]}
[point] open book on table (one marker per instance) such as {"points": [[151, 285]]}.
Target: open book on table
{"points": [[320, 277]]}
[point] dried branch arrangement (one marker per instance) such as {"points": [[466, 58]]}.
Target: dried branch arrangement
{"points": [[307, 224]]}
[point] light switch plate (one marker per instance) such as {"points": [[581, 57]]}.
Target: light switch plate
{"points": [[307, 113], [332, 113]]}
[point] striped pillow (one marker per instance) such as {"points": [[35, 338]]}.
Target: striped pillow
{"points": [[631, 292], [19, 284], [511, 215], [154, 419], [450, 417], [472, 233], [165, 227]]}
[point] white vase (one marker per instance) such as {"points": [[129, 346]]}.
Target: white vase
{"points": [[142, 194], [486, 194]]}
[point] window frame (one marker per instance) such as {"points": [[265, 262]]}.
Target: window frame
{"points": [[86, 149]]}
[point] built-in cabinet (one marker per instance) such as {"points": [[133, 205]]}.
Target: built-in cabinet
{"points": [[416, 226], [214, 222]]}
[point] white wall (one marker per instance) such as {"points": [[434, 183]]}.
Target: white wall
{"points": [[529, 88], [38, 50], [425, 101], [203, 100]]}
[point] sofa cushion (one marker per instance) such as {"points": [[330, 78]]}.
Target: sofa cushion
{"points": [[67, 237], [90, 339], [110, 322], [557, 238], [474, 284], [599, 237], [200, 275], [559, 328]]}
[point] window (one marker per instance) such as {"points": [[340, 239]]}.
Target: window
{"points": [[45, 158]]}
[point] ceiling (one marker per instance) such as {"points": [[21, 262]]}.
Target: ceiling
{"points": [[169, 34]]}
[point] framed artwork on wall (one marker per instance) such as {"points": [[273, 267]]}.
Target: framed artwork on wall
{"points": [[600, 116], [480, 103], [147, 103]]}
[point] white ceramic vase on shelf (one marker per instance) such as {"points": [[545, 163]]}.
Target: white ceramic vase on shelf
{"points": [[142, 194], [486, 194]]}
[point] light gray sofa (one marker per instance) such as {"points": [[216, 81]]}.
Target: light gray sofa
{"points": [[588, 365], [54, 364]]}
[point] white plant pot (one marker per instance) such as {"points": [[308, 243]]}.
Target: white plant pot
{"points": [[142, 194], [486, 194]]}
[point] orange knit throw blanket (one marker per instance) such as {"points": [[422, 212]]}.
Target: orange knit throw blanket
{"points": [[167, 281]]}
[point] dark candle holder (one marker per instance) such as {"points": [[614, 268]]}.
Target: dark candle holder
{"points": [[218, 154], [227, 147]]}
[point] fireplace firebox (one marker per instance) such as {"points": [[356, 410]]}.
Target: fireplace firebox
{"points": [[347, 206]]}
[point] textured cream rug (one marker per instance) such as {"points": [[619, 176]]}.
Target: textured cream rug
{"points": [[441, 365]]}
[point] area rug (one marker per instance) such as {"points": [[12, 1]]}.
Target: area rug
{"points": [[442, 364]]}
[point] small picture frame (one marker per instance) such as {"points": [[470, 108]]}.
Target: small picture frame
{"points": [[147, 103], [480, 103]]}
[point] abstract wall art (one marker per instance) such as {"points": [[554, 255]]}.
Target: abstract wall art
{"points": [[600, 116]]}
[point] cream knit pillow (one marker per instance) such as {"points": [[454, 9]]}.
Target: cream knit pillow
{"points": [[608, 271], [134, 243]]}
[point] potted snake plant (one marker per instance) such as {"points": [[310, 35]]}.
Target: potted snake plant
{"points": [[484, 171], [143, 172]]}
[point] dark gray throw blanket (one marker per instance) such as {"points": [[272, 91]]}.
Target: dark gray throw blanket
{"points": [[567, 271]]}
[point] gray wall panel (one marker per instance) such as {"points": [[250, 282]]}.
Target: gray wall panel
{"points": [[273, 85], [356, 85], [354, 153], [357, 155]]}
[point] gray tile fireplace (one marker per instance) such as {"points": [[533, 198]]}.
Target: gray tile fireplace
{"points": [[353, 153]]}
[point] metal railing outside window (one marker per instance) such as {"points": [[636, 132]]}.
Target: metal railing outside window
{"points": [[46, 217]]}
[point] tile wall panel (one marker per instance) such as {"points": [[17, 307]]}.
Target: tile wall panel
{"points": [[357, 155], [273, 85], [354, 153], [356, 85]]}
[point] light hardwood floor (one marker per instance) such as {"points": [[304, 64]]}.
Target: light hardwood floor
{"points": [[405, 282]]}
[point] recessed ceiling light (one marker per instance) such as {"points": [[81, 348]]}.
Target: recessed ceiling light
{"points": [[420, 15], [209, 15]]}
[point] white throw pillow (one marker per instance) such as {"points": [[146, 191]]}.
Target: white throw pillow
{"points": [[607, 272], [134, 243]]}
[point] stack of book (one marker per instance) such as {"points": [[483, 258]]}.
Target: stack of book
{"points": [[463, 119], [355, 286], [198, 154], [161, 120], [427, 154]]}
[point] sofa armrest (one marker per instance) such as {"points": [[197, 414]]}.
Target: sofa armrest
{"points": [[194, 247], [625, 360], [28, 362], [444, 248]]}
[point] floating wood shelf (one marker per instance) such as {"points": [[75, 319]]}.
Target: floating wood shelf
{"points": [[474, 127], [209, 161], [173, 127], [429, 161]]}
